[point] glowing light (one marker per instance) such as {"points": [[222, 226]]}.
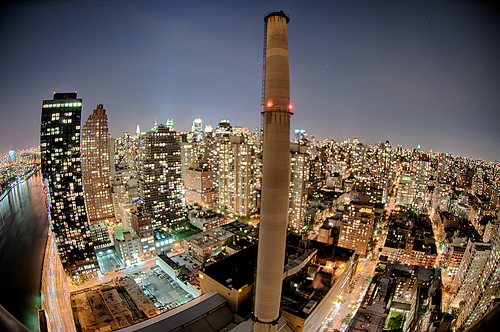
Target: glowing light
{"points": [[290, 106], [270, 103]]}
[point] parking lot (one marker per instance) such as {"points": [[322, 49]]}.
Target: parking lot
{"points": [[108, 260], [165, 293]]}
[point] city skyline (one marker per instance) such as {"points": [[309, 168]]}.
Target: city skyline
{"points": [[408, 72], [383, 235]]}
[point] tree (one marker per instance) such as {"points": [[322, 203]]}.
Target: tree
{"points": [[396, 322], [347, 319]]}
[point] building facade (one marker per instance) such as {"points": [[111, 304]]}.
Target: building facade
{"points": [[141, 223], [207, 219], [236, 174], [199, 185], [160, 179], [357, 227], [299, 178], [189, 155], [203, 245], [127, 247], [96, 168], [487, 291]]}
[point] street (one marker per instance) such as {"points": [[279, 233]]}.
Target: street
{"points": [[349, 301]]}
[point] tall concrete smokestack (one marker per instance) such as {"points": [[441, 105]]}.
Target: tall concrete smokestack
{"points": [[275, 181]]}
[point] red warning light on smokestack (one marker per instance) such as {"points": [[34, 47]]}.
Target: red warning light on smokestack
{"points": [[290, 106], [270, 103]]}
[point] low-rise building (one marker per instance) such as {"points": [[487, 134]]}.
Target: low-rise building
{"points": [[308, 294], [204, 245], [329, 231], [394, 297], [127, 246], [163, 241], [140, 222], [232, 277], [207, 219], [410, 240], [178, 272], [99, 232]]}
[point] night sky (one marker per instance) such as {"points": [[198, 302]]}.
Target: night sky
{"points": [[411, 72]]}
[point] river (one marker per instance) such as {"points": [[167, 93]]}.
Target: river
{"points": [[23, 235]]}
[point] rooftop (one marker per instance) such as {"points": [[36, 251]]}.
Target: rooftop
{"points": [[210, 237], [208, 313], [236, 270], [174, 265]]}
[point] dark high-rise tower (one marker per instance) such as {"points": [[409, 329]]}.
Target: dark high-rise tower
{"points": [[160, 180], [276, 175], [61, 167]]}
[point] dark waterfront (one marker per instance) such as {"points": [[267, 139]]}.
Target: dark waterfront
{"points": [[23, 235]]}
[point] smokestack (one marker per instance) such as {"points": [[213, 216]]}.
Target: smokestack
{"points": [[276, 169]]}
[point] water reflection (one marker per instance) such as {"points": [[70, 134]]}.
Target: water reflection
{"points": [[23, 234]]}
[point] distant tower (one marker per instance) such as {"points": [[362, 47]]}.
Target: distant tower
{"points": [[300, 134], [170, 124], [12, 156], [197, 127], [95, 169], [61, 168], [276, 173]]}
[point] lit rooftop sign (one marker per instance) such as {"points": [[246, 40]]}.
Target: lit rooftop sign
{"points": [[78, 104]]}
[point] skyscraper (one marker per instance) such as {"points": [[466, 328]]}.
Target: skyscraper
{"points": [[61, 167], [160, 180], [96, 167], [197, 127], [236, 174], [189, 155], [299, 177]]}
